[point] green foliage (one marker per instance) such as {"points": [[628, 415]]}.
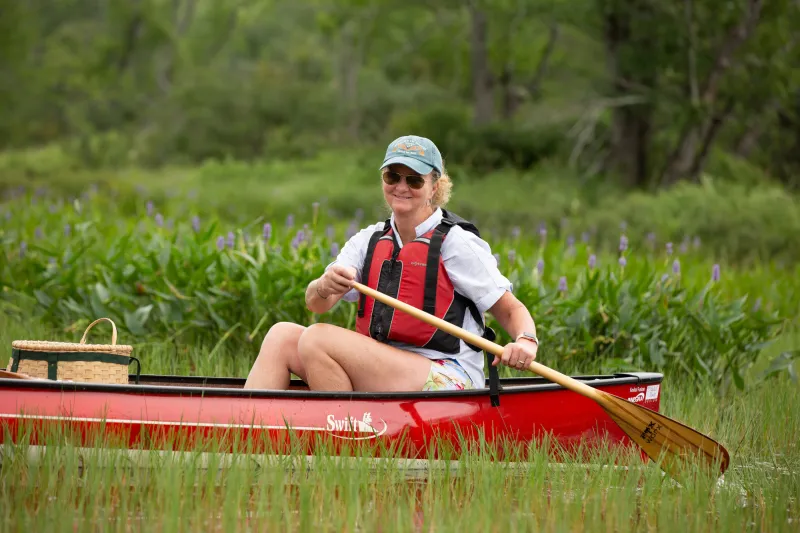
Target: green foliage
{"points": [[165, 277], [482, 148], [738, 222]]}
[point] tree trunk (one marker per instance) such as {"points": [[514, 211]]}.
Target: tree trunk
{"points": [[535, 86], [481, 74], [683, 158], [631, 129], [710, 131]]}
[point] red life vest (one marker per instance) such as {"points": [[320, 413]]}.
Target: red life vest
{"points": [[413, 274]]}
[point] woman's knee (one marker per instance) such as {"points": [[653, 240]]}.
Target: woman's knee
{"points": [[312, 339], [282, 335]]}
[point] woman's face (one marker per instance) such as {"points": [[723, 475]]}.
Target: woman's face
{"points": [[403, 199]]}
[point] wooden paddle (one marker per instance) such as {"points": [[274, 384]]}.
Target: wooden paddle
{"points": [[666, 441]]}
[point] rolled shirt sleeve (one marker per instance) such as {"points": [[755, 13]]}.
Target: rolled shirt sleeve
{"points": [[473, 269]]}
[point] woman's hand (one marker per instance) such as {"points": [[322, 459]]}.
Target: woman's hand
{"points": [[337, 280], [518, 354]]}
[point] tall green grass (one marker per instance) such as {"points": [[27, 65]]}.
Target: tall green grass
{"points": [[63, 488]]}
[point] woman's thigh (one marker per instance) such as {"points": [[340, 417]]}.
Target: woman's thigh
{"points": [[371, 365]]}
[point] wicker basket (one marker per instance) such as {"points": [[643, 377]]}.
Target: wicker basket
{"points": [[69, 361]]}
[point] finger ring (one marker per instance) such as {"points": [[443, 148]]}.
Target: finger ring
{"points": [[520, 363]]}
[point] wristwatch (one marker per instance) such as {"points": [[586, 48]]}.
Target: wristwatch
{"points": [[529, 336]]}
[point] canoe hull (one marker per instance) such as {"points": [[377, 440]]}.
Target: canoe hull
{"points": [[412, 425]]}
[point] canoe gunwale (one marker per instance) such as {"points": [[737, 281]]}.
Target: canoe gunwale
{"points": [[508, 386]]}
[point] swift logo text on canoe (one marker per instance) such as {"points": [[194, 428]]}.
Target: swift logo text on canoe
{"points": [[638, 398], [351, 424]]}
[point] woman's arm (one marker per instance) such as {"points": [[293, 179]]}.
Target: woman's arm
{"points": [[515, 318], [512, 315], [323, 293]]}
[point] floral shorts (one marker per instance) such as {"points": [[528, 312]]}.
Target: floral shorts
{"points": [[447, 374]]}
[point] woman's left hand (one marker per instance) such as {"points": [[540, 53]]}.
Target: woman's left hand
{"points": [[518, 355]]}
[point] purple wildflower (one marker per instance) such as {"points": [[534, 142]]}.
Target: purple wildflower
{"points": [[540, 267], [266, 231], [496, 257], [297, 239], [67, 230], [676, 267], [562, 284], [585, 236], [159, 220], [664, 278], [52, 261], [334, 249], [23, 247], [623, 225], [651, 238], [231, 239], [220, 243], [570, 241], [359, 214], [289, 220], [330, 232], [669, 248], [684, 246], [715, 272], [38, 232], [53, 208], [196, 223], [149, 208], [623, 261], [515, 231], [696, 243], [592, 261], [623, 243], [542, 231], [512, 256]]}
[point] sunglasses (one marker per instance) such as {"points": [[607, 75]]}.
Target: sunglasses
{"points": [[415, 181]]}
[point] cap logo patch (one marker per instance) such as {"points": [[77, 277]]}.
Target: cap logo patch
{"points": [[409, 147]]}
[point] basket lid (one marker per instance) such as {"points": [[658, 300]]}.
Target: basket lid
{"points": [[54, 346]]}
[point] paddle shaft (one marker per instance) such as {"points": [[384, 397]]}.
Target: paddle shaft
{"points": [[484, 344]]}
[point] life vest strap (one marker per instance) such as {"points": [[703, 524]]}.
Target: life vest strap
{"points": [[362, 300]]}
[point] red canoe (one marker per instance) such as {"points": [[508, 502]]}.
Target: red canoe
{"points": [[186, 413]]}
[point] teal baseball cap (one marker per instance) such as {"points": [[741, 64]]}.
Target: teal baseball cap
{"points": [[417, 153]]}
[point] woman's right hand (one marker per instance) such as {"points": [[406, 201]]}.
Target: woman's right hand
{"points": [[337, 280]]}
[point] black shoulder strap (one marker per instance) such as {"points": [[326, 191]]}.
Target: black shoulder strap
{"points": [[432, 266], [457, 220], [362, 300]]}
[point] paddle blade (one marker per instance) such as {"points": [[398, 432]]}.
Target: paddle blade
{"points": [[664, 439]]}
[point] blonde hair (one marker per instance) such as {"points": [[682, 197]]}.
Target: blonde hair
{"points": [[442, 194]]}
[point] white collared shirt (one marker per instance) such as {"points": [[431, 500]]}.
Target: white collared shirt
{"points": [[471, 267]]}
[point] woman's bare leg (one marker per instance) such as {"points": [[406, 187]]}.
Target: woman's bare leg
{"points": [[339, 359], [277, 358]]}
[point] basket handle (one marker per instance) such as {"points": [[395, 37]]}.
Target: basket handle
{"points": [[113, 330]]}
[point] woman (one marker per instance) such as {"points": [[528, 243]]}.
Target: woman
{"points": [[444, 268]]}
